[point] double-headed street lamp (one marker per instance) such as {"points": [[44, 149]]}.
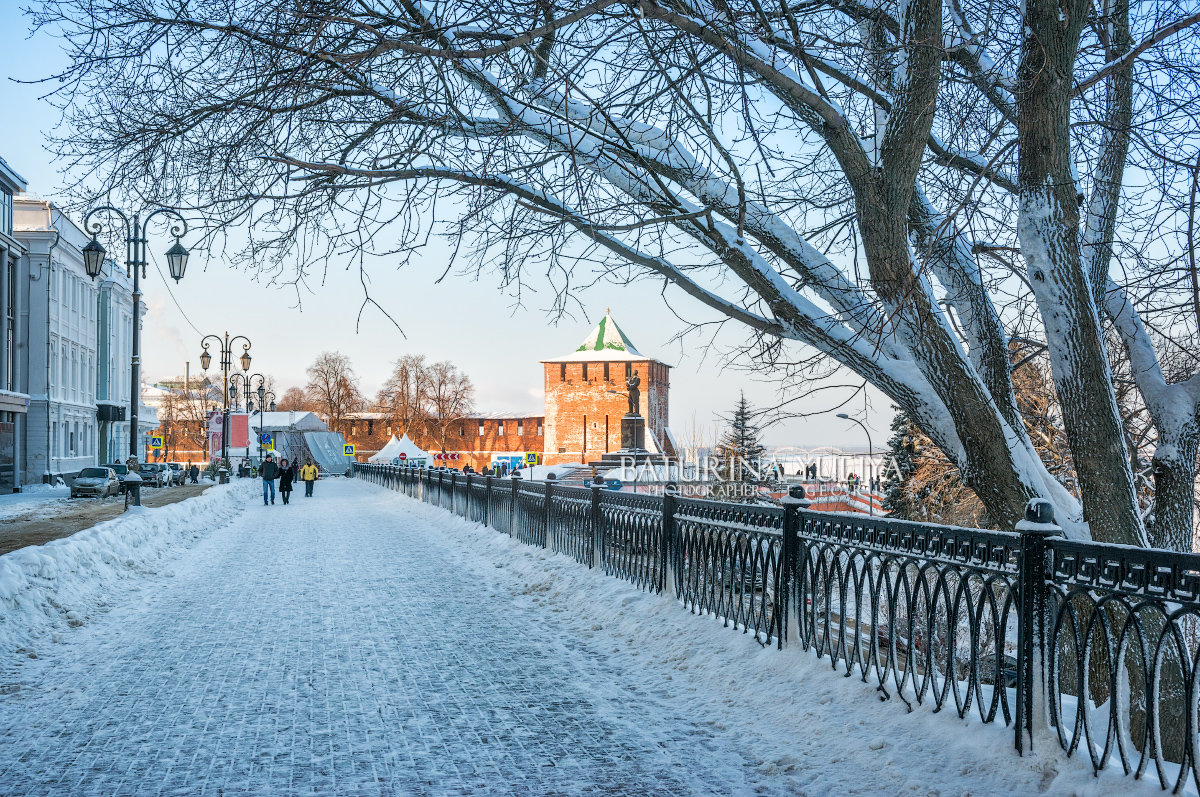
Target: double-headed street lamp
{"points": [[870, 456], [225, 349], [135, 266], [261, 392]]}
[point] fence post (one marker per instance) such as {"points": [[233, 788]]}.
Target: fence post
{"points": [[597, 525], [1034, 621], [487, 500], [453, 490], [670, 540], [512, 505], [549, 508], [791, 599]]}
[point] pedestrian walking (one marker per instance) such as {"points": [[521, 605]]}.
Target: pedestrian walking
{"points": [[287, 473], [308, 475], [269, 473]]}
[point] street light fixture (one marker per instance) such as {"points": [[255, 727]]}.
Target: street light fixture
{"points": [[870, 456], [135, 267], [225, 350]]}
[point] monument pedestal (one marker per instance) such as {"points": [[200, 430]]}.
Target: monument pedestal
{"points": [[633, 432]]}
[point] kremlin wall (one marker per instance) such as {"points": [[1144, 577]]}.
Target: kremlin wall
{"points": [[585, 399]]}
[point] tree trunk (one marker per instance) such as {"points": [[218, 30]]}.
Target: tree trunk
{"points": [[1175, 486], [1049, 231]]}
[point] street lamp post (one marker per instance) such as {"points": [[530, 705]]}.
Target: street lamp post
{"points": [[135, 266], [225, 349], [247, 381], [870, 456], [262, 407]]}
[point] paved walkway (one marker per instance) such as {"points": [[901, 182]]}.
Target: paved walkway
{"points": [[334, 647]]}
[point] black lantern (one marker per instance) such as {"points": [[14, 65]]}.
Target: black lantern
{"points": [[177, 258], [272, 406], [205, 360], [93, 258], [245, 358], [262, 391]]}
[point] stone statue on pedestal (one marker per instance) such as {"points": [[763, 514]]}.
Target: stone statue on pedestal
{"points": [[631, 384]]}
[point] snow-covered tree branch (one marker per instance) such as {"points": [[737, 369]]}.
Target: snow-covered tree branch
{"points": [[903, 188]]}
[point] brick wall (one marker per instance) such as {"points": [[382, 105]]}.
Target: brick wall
{"points": [[505, 436], [583, 419]]}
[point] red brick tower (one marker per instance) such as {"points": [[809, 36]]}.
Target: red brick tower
{"points": [[586, 397]]}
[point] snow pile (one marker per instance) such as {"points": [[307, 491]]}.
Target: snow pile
{"points": [[792, 714], [46, 588], [34, 497]]}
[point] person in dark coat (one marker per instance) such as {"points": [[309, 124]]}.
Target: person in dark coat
{"points": [[269, 473], [195, 473], [287, 474]]}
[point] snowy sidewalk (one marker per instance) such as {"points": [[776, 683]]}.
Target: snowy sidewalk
{"points": [[360, 643]]}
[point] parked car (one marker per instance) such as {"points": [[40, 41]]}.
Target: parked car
{"points": [[122, 470], [98, 482], [153, 474], [176, 473]]}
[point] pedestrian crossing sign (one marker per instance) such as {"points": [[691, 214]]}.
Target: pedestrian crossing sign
{"points": [[531, 457], [348, 450], [156, 441]]}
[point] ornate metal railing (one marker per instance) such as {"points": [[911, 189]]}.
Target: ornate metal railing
{"points": [[631, 538], [570, 529], [1091, 646], [730, 564]]}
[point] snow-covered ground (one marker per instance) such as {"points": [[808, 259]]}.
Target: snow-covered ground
{"points": [[361, 643], [46, 589], [40, 499]]}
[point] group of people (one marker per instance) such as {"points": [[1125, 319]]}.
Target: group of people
{"points": [[287, 473], [192, 472]]}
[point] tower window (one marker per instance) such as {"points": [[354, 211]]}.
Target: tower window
{"points": [[585, 372], [562, 372], [606, 372]]}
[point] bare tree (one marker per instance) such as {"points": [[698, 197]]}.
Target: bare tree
{"points": [[450, 397], [294, 399], [897, 187], [333, 388], [404, 395]]}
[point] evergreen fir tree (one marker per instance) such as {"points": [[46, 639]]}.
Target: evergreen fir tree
{"points": [[900, 466], [740, 451]]}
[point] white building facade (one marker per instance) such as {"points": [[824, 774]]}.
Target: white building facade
{"points": [[79, 350], [14, 375], [62, 437]]}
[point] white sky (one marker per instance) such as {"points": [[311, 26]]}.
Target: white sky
{"points": [[471, 324]]}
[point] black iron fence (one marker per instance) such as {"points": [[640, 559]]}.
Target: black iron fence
{"points": [[1094, 646]]}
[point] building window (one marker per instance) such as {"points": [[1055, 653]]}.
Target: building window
{"points": [[370, 427], [628, 370], [462, 431], [606, 372], [520, 428], [6, 208], [562, 372], [500, 429], [585, 372], [481, 428], [539, 427]]}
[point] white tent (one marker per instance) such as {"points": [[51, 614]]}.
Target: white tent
{"points": [[390, 453]]}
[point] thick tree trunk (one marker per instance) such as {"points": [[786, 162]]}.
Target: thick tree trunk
{"points": [[1175, 486], [1049, 232]]}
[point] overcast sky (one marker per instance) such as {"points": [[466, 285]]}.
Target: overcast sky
{"points": [[471, 324]]}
